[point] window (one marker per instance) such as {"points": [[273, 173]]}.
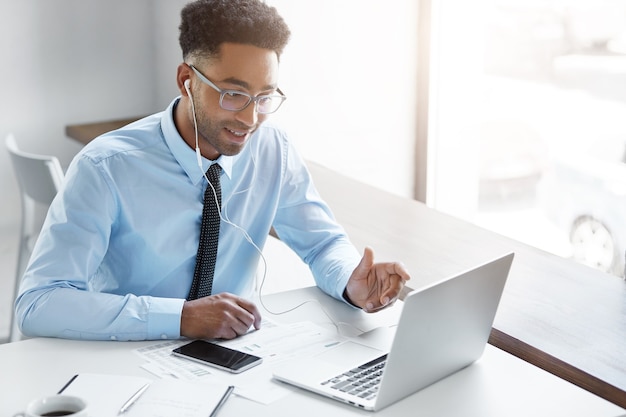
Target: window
{"points": [[526, 131]]}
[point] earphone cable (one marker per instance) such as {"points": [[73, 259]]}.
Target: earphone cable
{"points": [[226, 220]]}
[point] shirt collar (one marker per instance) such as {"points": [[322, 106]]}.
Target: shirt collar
{"points": [[185, 155]]}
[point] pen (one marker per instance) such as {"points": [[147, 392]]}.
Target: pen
{"points": [[67, 384], [219, 405], [133, 399]]}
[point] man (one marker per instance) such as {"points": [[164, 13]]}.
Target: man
{"points": [[117, 253]]}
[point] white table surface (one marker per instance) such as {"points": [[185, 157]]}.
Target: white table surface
{"points": [[497, 385]]}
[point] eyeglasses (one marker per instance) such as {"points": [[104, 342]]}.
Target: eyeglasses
{"points": [[234, 100]]}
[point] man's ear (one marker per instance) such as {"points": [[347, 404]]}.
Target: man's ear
{"points": [[183, 76]]}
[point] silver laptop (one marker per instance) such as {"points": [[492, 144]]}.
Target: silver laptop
{"points": [[442, 328]]}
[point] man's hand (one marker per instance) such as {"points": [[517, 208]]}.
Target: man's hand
{"points": [[375, 286], [220, 316]]}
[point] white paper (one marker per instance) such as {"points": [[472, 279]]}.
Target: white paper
{"points": [[273, 342], [106, 394], [168, 398], [163, 364]]}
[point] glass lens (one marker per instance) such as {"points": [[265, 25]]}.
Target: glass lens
{"points": [[268, 104], [236, 101], [232, 100]]}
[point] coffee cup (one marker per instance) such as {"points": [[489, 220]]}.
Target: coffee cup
{"points": [[56, 405]]}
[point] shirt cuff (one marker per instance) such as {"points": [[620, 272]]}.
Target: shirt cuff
{"points": [[345, 298], [164, 318]]}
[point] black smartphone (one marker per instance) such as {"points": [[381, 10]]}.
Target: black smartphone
{"points": [[218, 356]]}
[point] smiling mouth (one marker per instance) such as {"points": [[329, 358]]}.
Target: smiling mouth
{"points": [[238, 133]]}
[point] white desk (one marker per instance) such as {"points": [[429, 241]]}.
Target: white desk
{"points": [[498, 384]]}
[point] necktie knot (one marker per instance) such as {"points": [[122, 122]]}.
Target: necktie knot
{"points": [[213, 173]]}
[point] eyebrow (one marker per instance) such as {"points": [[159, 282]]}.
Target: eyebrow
{"points": [[243, 84]]}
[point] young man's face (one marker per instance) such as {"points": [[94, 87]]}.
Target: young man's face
{"points": [[243, 68]]}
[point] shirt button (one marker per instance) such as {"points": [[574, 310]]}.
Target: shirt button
{"points": [[113, 338], [163, 336]]}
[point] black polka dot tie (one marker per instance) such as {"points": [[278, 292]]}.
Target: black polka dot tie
{"points": [[209, 233]]}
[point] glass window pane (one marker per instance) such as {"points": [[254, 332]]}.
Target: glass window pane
{"points": [[547, 101]]}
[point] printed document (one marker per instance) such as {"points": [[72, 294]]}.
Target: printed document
{"points": [[273, 342]]}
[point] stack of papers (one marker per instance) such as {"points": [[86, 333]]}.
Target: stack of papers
{"points": [[274, 343], [183, 388]]}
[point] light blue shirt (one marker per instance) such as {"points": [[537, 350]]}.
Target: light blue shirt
{"points": [[116, 254]]}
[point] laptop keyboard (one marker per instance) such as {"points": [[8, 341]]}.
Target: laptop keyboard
{"points": [[362, 381]]}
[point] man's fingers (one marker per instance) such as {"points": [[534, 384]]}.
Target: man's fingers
{"points": [[223, 316], [366, 263], [253, 310], [398, 268]]}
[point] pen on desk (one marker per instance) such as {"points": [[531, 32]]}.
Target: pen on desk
{"points": [[219, 405], [67, 384], [132, 400]]}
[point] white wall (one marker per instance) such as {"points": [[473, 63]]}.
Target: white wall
{"points": [[167, 52], [65, 62], [349, 72]]}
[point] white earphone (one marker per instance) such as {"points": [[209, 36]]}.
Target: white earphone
{"points": [[186, 84]]}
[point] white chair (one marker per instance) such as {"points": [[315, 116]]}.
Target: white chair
{"points": [[39, 178]]}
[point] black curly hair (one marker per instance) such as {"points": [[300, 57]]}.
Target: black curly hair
{"points": [[206, 24]]}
